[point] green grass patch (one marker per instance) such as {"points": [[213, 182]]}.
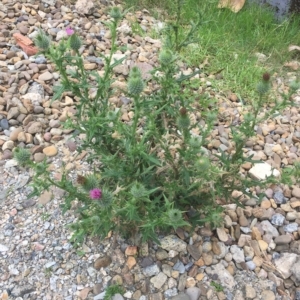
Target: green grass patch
{"points": [[230, 40]]}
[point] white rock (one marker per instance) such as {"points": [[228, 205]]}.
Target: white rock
{"points": [[3, 248], [237, 253], [226, 279], [172, 242], [85, 7], [285, 263], [261, 171]]}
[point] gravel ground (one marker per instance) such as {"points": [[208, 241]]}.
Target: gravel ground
{"points": [[256, 255]]}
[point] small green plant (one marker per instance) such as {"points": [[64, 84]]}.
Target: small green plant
{"points": [[153, 169], [113, 290], [48, 272], [80, 253], [45, 216], [217, 286]]}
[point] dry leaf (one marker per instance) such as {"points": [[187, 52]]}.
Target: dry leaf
{"points": [[294, 65], [294, 47], [234, 5]]}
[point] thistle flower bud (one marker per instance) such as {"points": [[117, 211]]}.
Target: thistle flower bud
{"points": [[262, 87], [90, 182], [135, 85], [107, 198], [174, 215], [75, 42], [203, 163], [135, 72], [115, 13], [42, 41], [195, 142], [294, 86], [165, 57], [22, 156], [138, 190], [183, 122]]}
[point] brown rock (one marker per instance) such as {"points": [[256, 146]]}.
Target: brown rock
{"points": [[131, 262], [243, 221], [102, 262], [84, 293], [256, 235], [45, 197], [131, 250], [14, 134], [222, 234], [34, 127], [50, 151], [265, 204]]}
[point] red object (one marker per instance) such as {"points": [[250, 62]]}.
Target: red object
{"points": [[25, 43]]}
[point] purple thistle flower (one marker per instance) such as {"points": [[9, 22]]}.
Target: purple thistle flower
{"points": [[69, 31], [95, 194]]}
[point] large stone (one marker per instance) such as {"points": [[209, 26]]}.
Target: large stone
{"points": [[102, 262], [50, 151], [296, 270], [237, 253], [46, 76], [224, 276], [269, 228], [159, 280], [285, 263], [172, 242], [261, 171], [193, 292], [296, 192], [35, 127], [85, 7]]}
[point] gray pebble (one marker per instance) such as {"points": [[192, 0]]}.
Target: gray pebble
{"points": [[277, 219], [291, 227]]}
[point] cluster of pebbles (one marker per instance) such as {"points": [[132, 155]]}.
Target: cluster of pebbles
{"points": [[255, 255]]}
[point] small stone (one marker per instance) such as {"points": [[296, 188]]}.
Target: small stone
{"points": [[285, 263], [131, 262], [263, 245], [237, 253], [265, 204], [222, 235], [193, 292], [159, 280], [279, 197], [194, 251], [179, 266], [151, 270], [296, 192], [131, 250], [251, 265], [250, 292], [45, 197], [283, 239], [46, 76], [84, 293], [277, 219], [39, 157], [261, 171], [161, 254], [267, 295], [50, 151], [292, 227], [102, 262], [4, 124], [172, 242]]}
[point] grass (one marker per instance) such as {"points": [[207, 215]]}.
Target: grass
{"points": [[230, 40]]}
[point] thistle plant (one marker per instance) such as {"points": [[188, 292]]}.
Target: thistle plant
{"points": [[153, 172]]}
